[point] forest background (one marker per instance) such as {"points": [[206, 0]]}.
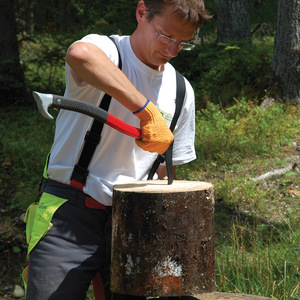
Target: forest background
{"points": [[245, 72]]}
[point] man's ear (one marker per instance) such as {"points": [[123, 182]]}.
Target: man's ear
{"points": [[141, 11]]}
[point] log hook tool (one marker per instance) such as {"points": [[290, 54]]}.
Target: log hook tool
{"points": [[44, 101]]}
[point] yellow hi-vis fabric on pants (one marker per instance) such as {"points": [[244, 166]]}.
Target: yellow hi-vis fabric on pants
{"points": [[38, 221]]}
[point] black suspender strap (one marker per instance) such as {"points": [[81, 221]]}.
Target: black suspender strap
{"points": [[167, 156], [92, 139], [180, 94]]}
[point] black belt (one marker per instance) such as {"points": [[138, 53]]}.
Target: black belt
{"points": [[75, 196]]}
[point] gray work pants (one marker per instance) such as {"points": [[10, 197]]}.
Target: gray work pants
{"points": [[63, 263], [78, 245]]}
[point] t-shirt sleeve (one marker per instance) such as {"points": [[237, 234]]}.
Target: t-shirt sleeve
{"points": [[104, 43]]}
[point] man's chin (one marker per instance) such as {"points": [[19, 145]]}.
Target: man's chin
{"points": [[164, 60]]}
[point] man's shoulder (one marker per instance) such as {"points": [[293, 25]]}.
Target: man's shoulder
{"points": [[170, 68], [98, 38]]}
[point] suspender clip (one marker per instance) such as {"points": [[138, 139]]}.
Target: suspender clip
{"points": [[92, 137], [161, 158]]}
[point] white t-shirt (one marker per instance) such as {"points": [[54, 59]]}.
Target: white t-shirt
{"points": [[117, 159]]}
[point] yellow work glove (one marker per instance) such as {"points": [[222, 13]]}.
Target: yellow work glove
{"points": [[156, 135]]}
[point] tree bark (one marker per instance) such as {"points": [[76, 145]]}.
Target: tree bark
{"points": [[286, 60], [233, 21], [12, 88], [163, 238]]}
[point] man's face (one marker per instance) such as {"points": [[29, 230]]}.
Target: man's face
{"points": [[155, 49]]}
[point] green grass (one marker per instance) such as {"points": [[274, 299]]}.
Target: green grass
{"points": [[259, 260], [26, 139], [256, 223]]}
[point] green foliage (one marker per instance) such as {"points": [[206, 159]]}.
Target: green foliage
{"points": [[12, 88], [242, 130], [219, 74], [75, 18], [26, 138], [43, 62], [120, 17], [263, 17]]}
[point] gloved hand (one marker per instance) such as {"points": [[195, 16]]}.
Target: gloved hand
{"points": [[156, 135]]}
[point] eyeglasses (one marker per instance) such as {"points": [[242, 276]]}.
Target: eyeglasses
{"points": [[170, 42]]}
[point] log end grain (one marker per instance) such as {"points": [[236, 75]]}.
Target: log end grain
{"points": [[162, 186]]}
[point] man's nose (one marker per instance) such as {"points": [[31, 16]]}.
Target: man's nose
{"points": [[173, 49]]}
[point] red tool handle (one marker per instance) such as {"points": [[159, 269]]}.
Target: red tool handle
{"points": [[123, 127], [97, 113]]}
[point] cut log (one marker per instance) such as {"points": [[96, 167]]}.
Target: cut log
{"points": [[163, 238]]}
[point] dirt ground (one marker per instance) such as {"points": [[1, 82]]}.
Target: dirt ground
{"points": [[12, 252], [13, 260]]}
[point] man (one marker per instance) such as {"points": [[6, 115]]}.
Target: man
{"points": [[69, 240]]}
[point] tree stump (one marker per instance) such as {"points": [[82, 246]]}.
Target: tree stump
{"points": [[163, 238]]}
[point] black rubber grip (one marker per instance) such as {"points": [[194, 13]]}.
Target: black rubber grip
{"points": [[81, 107], [97, 113]]}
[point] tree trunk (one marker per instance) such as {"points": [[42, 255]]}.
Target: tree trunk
{"points": [[233, 21], [12, 88], [286, 60]]}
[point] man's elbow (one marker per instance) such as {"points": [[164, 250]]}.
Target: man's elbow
{"points": [[77, 53]]}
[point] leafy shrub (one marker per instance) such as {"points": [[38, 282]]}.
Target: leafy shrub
{"points": [[43, 63], [220, 74], [243, 130]]}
